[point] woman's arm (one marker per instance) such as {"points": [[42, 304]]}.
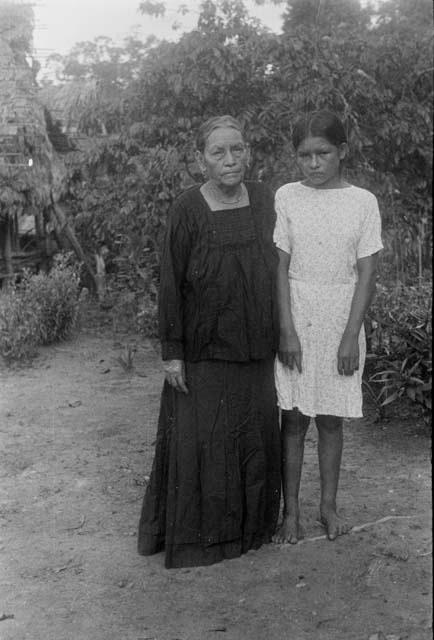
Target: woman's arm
{"points": [[174, 260], [289, 344], [348, 352]]}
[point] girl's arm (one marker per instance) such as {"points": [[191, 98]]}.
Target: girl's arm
{"points": [[289, 344], [348, 352]]}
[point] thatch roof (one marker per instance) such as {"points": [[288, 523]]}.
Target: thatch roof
{"points": [[68, 102], [23, 133]]}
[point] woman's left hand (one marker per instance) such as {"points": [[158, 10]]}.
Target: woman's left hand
{"points": [[348, 355]]}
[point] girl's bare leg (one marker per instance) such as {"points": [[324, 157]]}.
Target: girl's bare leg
{"points": [[330, 443], [293, 432]]}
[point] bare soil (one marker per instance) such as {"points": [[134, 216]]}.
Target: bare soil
{"points": [[77, 430]]}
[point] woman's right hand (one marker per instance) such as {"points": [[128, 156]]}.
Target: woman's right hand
{"points": [[290, 350], [174, 373]]}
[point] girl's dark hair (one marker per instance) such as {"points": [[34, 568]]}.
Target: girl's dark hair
{"points": [[207, 127], [319, 124]]}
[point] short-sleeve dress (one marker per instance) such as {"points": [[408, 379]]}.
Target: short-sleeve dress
{"points": [[325, 231]]}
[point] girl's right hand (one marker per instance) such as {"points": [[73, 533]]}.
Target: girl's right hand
{"points": [[290, 351], [174, 373]]}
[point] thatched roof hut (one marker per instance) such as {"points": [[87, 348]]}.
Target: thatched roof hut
{"points": [[29, 167], [32, 173], [68, 102]]}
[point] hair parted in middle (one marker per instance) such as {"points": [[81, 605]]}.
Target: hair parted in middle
{"points": [[217, 122], [319, 124]]}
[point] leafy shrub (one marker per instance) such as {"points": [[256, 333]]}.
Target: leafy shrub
{"points": [[399, 332], [19, 327], [133, 311], [41, 309], [56, 298], [147, 316]]}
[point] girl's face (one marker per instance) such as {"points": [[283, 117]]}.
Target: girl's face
{"points": [[320, 162], [225, 157]]}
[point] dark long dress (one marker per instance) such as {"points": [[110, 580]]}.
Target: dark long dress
{"points": [[214, 491]]}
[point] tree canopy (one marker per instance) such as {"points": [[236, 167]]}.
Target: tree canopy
{"points": [[371, 64]]}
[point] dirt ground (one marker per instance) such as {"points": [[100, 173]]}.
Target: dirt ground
{"points": [[77, 433]]}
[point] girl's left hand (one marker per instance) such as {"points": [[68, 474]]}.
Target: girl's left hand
{"points": [[348, 355]]}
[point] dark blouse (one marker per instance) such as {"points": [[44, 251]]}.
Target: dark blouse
{"points": [[217, 283]]}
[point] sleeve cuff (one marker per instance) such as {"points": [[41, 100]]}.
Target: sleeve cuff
{"points": [[172, 350], [364, 252]]}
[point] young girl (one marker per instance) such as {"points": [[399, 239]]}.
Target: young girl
{"points": [[328, 234]]}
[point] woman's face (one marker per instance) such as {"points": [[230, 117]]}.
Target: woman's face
{"points": [[225, 157], [320, 161]]}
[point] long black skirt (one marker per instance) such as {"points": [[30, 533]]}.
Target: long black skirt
{"points": [[214, 490]]}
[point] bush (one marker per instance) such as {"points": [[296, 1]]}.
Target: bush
{"points": [[41, 309], [19, 327], [399, 334], [55, 296], [147, 316], [132, 311]]}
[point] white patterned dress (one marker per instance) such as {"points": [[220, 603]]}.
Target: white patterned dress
{"points": [[325, 232]]}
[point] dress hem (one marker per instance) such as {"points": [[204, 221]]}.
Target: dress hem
{"points": [[309, 413], [178, 556]]}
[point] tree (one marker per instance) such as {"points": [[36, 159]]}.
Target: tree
{"points": [[101, 60], [368, 64], [324, 15]]}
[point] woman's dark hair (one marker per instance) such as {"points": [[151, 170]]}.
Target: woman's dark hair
{"points": [[216, 122], [319, 124]]}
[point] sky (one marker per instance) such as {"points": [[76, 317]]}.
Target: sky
{"points": [[62, 23]]}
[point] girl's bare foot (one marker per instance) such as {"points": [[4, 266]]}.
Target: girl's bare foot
{"points": [[333, 524], [289, 530]]}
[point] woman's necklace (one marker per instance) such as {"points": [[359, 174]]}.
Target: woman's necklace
{"points": [[221, 201]]}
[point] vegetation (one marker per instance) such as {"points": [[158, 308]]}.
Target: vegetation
{"points": [[41, 309], [368, 64], [400, 347], [131, 112]]}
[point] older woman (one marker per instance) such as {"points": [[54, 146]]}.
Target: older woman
{"points": [[214, 491]]}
